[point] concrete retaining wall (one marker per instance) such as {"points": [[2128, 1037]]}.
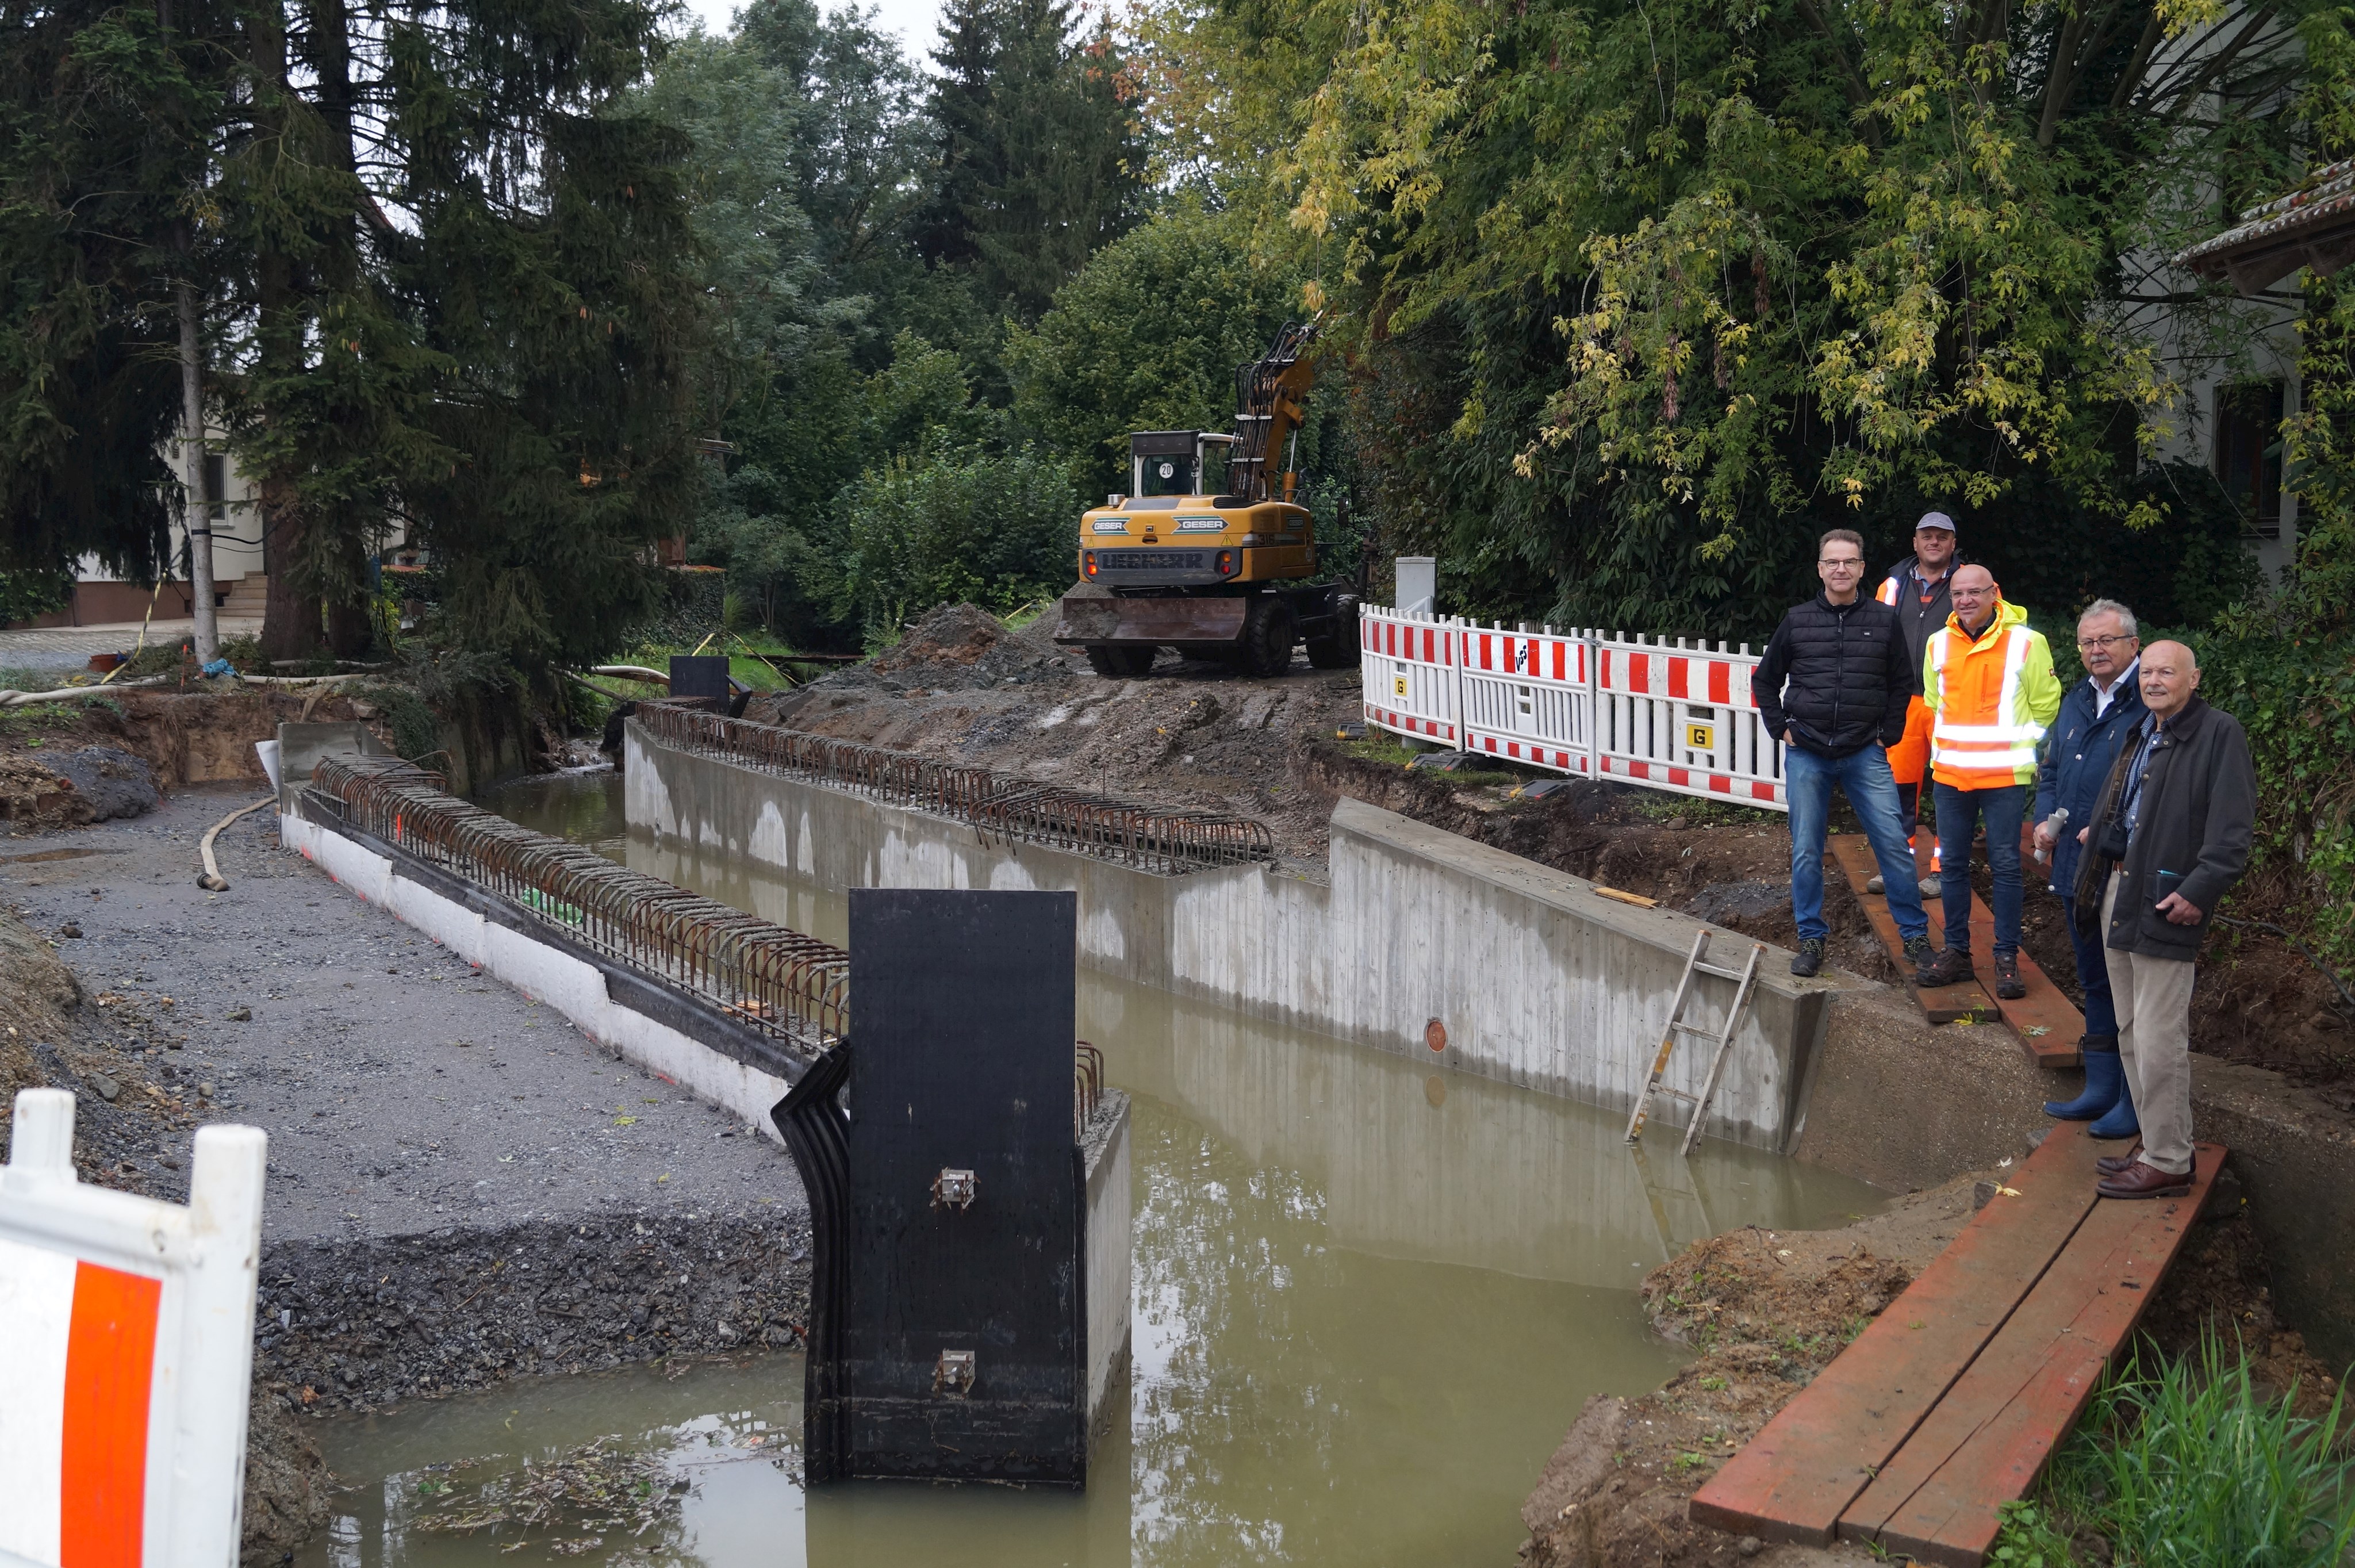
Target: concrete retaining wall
{"points": [[1536, 979]]}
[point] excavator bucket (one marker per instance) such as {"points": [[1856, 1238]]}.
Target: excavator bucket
{"points": [[1153, 622]]}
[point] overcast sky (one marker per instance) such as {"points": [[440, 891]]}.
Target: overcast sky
{"points": [[916, 21]]}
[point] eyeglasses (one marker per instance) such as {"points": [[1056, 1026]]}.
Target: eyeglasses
{"points": [[2090, 643], [1846, 560]]}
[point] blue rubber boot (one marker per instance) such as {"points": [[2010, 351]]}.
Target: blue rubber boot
{"points": [[2121, 1121], [2105, 1080]]}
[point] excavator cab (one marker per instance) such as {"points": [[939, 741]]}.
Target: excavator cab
{"points": [[1177, 463]]}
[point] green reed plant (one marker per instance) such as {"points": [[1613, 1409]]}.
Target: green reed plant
{"points": [[2182, 1463]]}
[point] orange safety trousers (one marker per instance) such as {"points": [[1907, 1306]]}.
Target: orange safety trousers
{"points": [[1908, 760]]}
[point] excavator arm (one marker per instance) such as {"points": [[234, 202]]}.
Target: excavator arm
{"points": [[1271, 400]]}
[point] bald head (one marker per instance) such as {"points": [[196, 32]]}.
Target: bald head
{"points": [[1975, 595], [2170, 674]]}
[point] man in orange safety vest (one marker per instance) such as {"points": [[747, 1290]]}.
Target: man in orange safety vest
{"points": [[1917, 588], [1987, 681]]}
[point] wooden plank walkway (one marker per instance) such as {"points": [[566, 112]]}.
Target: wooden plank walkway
{"points": [[1950, 1404], [2045, 1021]]}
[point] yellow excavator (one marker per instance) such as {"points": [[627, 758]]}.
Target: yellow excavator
{"points": [[1207, 553]]}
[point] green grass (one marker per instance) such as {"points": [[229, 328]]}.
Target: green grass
{"points": [[2185, 1464]]}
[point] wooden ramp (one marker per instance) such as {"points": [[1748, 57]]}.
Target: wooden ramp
{"points": [[2045, 1021], [1950, 1404]]}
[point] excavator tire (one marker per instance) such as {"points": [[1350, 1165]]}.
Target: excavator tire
{"points": [[1267, 638], [1119, 661], [1336, 650]]}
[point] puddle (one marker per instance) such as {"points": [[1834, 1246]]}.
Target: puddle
{"points": [[1369, 1298], [43, 856]]}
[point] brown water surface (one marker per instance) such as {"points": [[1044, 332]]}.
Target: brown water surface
{"points": [[1369, 1298]]}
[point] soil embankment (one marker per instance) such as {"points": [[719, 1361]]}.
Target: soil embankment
{"points": [[1769, 1310], [462, 1188]]}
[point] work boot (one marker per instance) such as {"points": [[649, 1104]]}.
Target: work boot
{"points": [[1948, 968], [1872, 883], [2105, 1077], [1931, 888], [2141, 1180], [1917, 951], [2111, 1164], [1810, 958], [2008, 986]]}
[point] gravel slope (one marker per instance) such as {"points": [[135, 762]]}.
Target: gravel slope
{"points": [[462, 1188]]}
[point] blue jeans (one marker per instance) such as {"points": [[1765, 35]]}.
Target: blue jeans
{"points": [[2093, 977], [1863, 776], [1959, 811]]}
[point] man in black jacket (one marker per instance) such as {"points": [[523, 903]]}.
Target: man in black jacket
{"points": [[2166, 841], [1833, 687]]}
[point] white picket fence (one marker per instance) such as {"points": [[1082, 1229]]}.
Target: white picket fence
{"points": [[1667, 716]]}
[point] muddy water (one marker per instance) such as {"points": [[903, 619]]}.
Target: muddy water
{"points": [[1369, 1298]]}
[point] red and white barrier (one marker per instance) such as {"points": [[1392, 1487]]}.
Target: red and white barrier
{"points": [[1417, 656], [128, 1333], [1673, 718]]}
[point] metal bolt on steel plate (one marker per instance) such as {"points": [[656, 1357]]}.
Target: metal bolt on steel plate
{"points": [[952, 1373], [953, 1188]]}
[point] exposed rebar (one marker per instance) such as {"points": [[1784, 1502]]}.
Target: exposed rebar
{"points": [[1001, 806], [766, 976]]}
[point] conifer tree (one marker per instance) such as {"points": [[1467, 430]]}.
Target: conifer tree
{"points": [[1041, 158], [102, 123]]}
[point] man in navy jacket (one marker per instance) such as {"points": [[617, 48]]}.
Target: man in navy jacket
{"points": [[2097, 716]]}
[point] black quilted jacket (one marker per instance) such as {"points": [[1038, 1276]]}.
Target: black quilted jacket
{"points": [[1835, 675]]}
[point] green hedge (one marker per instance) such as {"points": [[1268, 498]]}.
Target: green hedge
{"points": [[2297, 698]]}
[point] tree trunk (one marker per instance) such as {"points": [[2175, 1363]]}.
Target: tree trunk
{"points": [[197, 514], [290, 625], [290, 621], [349, 632]]}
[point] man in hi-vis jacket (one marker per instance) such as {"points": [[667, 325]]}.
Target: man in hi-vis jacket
{"points": [[1987, 681]]}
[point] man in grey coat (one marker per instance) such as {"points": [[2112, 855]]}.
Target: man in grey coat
{"points": [[2166, 841]]}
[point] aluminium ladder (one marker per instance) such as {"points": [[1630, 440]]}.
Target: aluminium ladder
{"points": [[1745, 983]]}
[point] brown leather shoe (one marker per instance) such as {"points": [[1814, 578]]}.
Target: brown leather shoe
{"points": [[2111, 1164], [2145, 1181]]}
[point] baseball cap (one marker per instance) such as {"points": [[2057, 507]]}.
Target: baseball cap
{"points": [[1935, 521]]}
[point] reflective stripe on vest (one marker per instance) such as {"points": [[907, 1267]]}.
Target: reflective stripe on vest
{"points": [[1996, 748]]}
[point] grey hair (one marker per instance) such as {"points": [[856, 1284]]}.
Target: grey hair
{"points": [[2111, 607]]}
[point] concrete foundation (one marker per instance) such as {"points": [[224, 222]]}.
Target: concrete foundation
{"points": [[1531, 976]]}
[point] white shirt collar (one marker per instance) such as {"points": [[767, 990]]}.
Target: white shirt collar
{"points": [[2101, 699]]}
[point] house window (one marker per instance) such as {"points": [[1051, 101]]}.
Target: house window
{"points": [[216, 487], [2249, 452]]}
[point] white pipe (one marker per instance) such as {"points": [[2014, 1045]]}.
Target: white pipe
{"points": [[19, 699]]}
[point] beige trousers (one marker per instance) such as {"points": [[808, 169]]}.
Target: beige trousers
{"points": [[2154, 1001]]}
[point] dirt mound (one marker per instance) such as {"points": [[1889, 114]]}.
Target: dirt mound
{"points": [[960, 646], [952, 635], [33, 798], [1744, 1288], [112, 780]]}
